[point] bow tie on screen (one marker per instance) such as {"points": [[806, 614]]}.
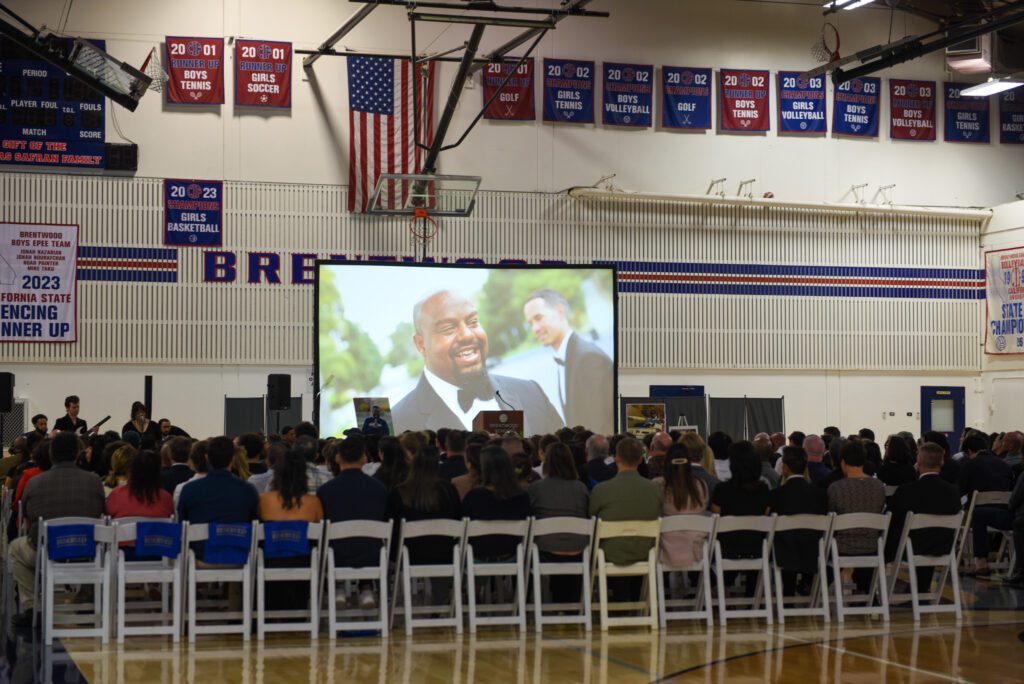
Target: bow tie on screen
{"points": [[560, 362], [468, 395]]}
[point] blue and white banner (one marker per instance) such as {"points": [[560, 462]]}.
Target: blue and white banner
{"points": [[38, 289], [1011, 118], [856, 108], [802, 104], [686, 98], [569, 91], [628, 94], [128, 264], [1004, 283], [192, 212], [967, 118]]}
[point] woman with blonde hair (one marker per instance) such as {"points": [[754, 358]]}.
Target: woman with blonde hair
{"points": [[701, 459], [120, 465]]}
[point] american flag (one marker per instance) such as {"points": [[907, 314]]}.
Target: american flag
{"points": [[382, 93]]}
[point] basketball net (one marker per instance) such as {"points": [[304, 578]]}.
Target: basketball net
{"points": [[422, 226], [826, 48], [152, 68]]}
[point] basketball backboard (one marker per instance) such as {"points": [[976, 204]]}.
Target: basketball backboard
{"points": [[402, 194]]}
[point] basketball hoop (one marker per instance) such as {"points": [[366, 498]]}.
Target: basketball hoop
{"points": [[152, 68], [422, 226], [826, 48]]}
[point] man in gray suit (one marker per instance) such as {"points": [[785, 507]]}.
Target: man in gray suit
{"points": [[585, 373], [455, 384]]}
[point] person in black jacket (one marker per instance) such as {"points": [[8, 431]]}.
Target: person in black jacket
{"points": [[983, 471], [929, 494], [796, 552], [177, 451], [140, 422], [71, 422], [499, 497]]}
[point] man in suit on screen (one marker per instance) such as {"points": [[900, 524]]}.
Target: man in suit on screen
{"points": [[455, 384], [585, 373]]}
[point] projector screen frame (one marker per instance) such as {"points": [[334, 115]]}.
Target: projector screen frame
{"points": [[611, 267]]}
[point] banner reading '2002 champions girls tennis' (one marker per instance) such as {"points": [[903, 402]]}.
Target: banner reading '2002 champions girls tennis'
{"points": [[1004, 283]]}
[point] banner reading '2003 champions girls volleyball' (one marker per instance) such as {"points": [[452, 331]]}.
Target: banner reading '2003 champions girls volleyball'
{"points": [[1004, 283]]}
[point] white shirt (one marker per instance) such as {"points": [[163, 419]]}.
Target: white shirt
{"points": [[449, 394], [560, 369]]}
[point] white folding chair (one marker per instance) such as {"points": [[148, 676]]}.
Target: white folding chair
{"points": [[196, 575], [967, 539], [94, 572], [6, 512], [944, 563], [817, 602], [876, 562], [578, 566], [1004, 559], [890, 490], [647, 568], [165, 572], [333, 573], [512, 568], [763, 590], [299, 620], [670, 608], [406, 573]]}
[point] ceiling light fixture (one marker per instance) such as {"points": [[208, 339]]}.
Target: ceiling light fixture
{"points": [[846, 4], [991, 87]]}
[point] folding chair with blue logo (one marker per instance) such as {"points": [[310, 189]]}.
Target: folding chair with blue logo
{"points": [[293, 539], [220, 553], [154, 560], [75, 551]]}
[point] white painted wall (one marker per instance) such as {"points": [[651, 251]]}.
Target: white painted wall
{"points": [[309, 143]]}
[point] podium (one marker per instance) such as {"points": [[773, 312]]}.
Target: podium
{"points": [[499, 422]]}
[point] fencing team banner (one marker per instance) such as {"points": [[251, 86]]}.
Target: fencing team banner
{"points": [[912, 114], [967, 118], [628, 94], [1004, 283], [802, 103], [686, 100], [1011, 118], [744, 101], [512, 101], [856, 108], [263, 73], [38, 283], [192, 212], [195, 70], [568, 91]]}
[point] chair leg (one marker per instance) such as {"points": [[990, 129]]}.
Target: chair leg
{"points": [[955, 575], [102, 593], [706, 581], [457, 590], [261, 602], [766, 573], [720, 581], [662, 619], [538, 597], [383, 607], [314, 605], [602, 588], [175, 607], [587, 594], [521, 593], [883, 590], [191, 604], [779, 595], [121, 607], [914, 598], [246, 604], [407, 596], [471, 591], [332, 602], [653, 581]]}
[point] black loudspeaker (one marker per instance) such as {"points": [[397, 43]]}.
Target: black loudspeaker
{"points": [[6, 392], [279, 392]]}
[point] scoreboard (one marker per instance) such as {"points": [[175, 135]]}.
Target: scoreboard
{"points": [[47, 118]]}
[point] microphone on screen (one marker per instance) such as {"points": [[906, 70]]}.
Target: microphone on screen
{"points": [[330, 379], [502, 400]]}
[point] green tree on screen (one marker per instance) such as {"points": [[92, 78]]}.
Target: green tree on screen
{"points": [[346, 351], [403, 351]]}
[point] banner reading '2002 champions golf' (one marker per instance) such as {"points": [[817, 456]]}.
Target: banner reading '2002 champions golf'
{"points": [[1004, 283]]}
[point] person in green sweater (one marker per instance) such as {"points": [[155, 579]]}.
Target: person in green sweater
{"points": [[627, 496]]}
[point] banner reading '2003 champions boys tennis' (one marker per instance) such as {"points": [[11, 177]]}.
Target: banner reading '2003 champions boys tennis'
{"points": [[1004, 282]]}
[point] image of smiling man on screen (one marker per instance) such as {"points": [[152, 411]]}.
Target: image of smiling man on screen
{"points": [[455, 384]]}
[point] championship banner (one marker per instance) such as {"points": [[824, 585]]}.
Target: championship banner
{"points": [[38, 283], [628, 94], [856, 107], [1004, 287], [686, 98], [514, 100], [967, 118], [744, 101], [195, 70], [1011, 118], [911, 110], [192, 212], [568, 91], [263, 73], [802, 105]]}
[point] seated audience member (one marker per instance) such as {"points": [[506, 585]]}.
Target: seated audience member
{"points": [[275, 452], [897, 468], [254, 449], [765, 454], [424, 496], [817, 470], [700, 458], [394, 463], [465, 483], [120, 464], [64, 490], [872, 456], [1016, 509], [498, 497], [38, 432], [719, 443], [39, 464], [142, 495], [219, 497], [199, 465], [683, 493], [1013, 442], [14, 457], [306, 445], [627, 496], [600, 464], [928, 494], [169, 431], [354, 495], [743, 494], [522, 467], [70, 422], [177, 450], [856, 493], [140, 423], [454, 463], [240, 464], [796, 551], [983, 471], [950, 471], [660, 444]]}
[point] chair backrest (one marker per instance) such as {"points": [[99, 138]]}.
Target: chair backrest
{"points": [[563, 525], [314, 531], [819, 523], [991, 498], [609, 529], [746, 523], [924, 521], [125, 528], [890, 490], [440, 527], [359, 529], [506, 528], [859, 521], [689, 523], [103, 535]]}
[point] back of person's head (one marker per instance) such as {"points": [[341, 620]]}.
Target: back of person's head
{"points": [[351, 450], [306, 446], [660, 443], [679, 477], [306, 429], [522, 466], [559, 462], [144, 476], [420, 490], [390, 452], [197, 456], [455, 442], [178, 448], [64, 447], [276, 451], [797, 438], [412, 442], [1013, 442], [473, 458], [290, 478], [42, 454], [974, 443], [897, 451], [764, 449], [564, 434], [866, 433], [220, 452], [939, 438], [930, 456], [132, 437], [253, 445], [719, 443], [240, 464], [597, 447], [694, 446], [512, 444], [744, 465], [498, 474], [442, 438], [121, 461], [795, 459], [832, 431], [630, 452], [853, 454]]}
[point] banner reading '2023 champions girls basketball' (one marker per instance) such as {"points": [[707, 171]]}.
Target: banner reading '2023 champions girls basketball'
{"points": [[1004, 283]]}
